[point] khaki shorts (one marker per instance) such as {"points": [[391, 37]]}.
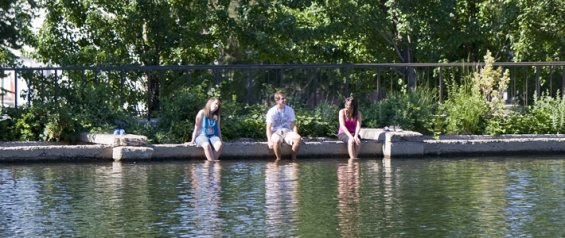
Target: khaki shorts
{"points": [[202, 139], [285, 134], [343, 137]]}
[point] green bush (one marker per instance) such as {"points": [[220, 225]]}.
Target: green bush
{"points": [[8, 130], [545, 116], [176, 117], [462, 113], [243, 121], [410, 110], [321, 122], [61, 126], [31, 123]]}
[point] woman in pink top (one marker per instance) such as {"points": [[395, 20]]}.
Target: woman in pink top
{"points": [[349, 127]]}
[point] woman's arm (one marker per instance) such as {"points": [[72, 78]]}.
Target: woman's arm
{"points": [[341, 117], [358, 126], [219, 127], [197, 126]]}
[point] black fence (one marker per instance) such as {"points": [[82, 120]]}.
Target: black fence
{"points": [[141, 88]]}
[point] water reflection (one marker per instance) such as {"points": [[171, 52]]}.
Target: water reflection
{"points": [[348, 196], [281, 188], [306, 198], [388, 186], [206, 189]]}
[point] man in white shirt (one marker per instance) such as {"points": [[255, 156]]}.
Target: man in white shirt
{"points": [[281, 126]]}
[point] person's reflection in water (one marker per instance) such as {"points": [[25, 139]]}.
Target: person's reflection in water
{"points": [[387, 184], [206, 187], [111, 184], [281, 187], [348, 196]]}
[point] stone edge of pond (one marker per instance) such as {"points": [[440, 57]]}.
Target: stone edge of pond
{"points": [[377, 143]]}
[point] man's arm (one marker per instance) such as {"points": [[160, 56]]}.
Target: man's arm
{"points": [[294, 127], [269, 133]]}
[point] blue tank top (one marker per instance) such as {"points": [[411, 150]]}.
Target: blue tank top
{"points": [[209, 127]]}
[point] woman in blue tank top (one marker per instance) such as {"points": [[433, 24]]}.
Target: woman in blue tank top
{"points": [[207, 133]]}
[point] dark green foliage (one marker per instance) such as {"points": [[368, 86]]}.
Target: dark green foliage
{"points": [[321, 122], [461, 114], [8, 131], [411, 110], [62, 125], [31, 123], [545, 116], [172, 33], [46, 122], [177, 114], [243, 121]]}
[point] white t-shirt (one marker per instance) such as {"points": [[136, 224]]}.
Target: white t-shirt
{"points": [[280, 118]]}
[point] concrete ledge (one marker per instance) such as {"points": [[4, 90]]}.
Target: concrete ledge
{"points": [[48, 152], [494, 145], [376, 144], [334, 149], [114, 140], [372, 134], [403, 144], [132, 153]]}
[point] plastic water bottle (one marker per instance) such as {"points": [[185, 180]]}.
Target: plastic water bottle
{"points": [[119, 132]]}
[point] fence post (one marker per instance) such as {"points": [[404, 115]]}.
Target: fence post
{"points": [[563, 82], [538, 86], [440, 84], [16, 90]]}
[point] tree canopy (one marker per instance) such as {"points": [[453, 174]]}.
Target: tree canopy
{"points": [[15, 23], [160, 32]]}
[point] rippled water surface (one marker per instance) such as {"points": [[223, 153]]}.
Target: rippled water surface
{"points": [[473, 197]]}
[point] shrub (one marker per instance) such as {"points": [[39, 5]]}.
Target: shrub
{"points": [[243, 121], [8, 130], [176, 117], [476, 106], [321, 122], [411, 110], [546, 115], [462, 113]]}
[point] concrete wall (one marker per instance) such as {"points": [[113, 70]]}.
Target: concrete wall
{"points": [[377, 144], [243, 150]]}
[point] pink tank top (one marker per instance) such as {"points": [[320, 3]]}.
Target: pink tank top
{"points": [[349, 124]]}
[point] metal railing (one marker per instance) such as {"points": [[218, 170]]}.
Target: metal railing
{"points": [[309, 84]]}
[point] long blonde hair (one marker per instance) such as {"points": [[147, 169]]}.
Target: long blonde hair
{"points": [[208, 113]]}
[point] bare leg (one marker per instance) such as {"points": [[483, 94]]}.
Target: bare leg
{"points": [[208, 151], [357, 147], [295, 146], [351, 149], [218, 147], [277, 149]]}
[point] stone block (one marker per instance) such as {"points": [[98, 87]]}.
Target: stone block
{"points": [[114, 140], [403, 144], [372, 134], [132, 153], [177, 151]]}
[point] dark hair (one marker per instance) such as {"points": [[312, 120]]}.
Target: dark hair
{"points": [[206, 109], [353, 113]]}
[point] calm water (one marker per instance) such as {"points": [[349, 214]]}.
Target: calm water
{"points": [[482, 197]]}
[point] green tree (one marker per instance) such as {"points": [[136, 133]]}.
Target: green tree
{"points": [[15, 23], [537, 31], [147, 33]]}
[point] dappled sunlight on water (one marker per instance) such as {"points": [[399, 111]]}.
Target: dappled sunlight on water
{"points": [[484, 197]]}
